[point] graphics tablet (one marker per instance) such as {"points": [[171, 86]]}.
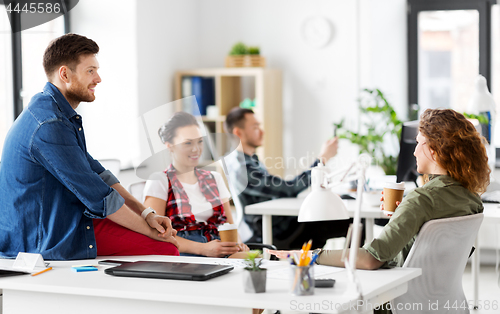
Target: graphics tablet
{"points": [[169, 270]]}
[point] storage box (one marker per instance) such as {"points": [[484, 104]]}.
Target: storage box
{"points": [[245, 61]]}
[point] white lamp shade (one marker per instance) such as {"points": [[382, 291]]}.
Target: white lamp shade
{"points": [[321, 204]]}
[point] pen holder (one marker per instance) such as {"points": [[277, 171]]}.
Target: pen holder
{"points": [[302, 280]]}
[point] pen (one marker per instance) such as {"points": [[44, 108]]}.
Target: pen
{"points": [[46, 269], [88, 265], [314, 258]]}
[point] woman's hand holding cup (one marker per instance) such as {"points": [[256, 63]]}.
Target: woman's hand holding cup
{"points": [[392, 195]]}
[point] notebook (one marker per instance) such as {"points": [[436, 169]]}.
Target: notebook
{"points": [[169, 270]]}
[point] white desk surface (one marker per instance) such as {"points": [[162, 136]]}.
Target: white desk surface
{"points": [[491, 213], [290, 207], [62, 290]]}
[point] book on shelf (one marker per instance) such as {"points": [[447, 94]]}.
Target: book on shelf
{"points": [[203, 88]]}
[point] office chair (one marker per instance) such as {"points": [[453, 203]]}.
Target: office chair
{"points": [[137, 190], [441, 249], [112, 165]]}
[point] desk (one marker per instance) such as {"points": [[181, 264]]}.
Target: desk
{"points": [[291, 207], [64, 291]]}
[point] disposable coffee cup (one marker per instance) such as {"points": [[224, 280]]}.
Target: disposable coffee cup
{"points": [[228, 232], [393, 192]]}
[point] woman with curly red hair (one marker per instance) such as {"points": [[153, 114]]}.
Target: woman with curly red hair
{"points": [[451, 154]]}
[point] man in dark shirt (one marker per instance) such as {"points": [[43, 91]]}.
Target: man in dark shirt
{"points": [[253, 184]]}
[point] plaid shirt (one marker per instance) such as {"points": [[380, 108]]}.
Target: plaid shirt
{"points": [[254, 184], [179, 208]]}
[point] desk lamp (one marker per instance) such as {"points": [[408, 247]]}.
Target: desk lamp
{"points": [[323, 204]]}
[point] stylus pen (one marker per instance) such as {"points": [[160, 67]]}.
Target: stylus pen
{"points": [[46, 269]]}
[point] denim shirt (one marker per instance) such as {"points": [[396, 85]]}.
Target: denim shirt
{"points": [[50, 187]]}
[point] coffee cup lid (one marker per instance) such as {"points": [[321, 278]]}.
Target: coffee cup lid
{"points": [[395, 186], [227, 226]]}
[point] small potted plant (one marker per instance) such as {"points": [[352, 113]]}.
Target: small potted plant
{"points": [[243, 56], [254, 277]]}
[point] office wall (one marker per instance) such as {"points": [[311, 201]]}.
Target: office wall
{"points": [[320, 86], [383, 50], [110, 121], [167, 41]]}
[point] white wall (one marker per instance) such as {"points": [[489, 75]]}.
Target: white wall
{"points": [[383, 50], [110, 121], [167, 41], [320, 86], [368, 49]]}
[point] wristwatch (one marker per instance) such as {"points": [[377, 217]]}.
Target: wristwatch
{"points": [[147, 211]]}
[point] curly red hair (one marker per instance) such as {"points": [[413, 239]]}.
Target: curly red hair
{"points": [[458, 147]]}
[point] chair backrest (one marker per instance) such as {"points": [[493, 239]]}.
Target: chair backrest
{"points": [[137, 190], [112, 165], [441, 249], [243, 229]]}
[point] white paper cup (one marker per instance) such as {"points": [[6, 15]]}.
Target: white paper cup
{"points": [[228, 232]]}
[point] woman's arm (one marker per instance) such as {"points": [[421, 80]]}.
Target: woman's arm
{"points": [[212, 249], [227, 210], [333, 258], [364, 261], [157, 204]]}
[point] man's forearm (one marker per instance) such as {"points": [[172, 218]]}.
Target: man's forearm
{"points": [[130, 201], [127, 218]]}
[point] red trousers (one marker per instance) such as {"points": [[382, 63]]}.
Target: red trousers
{"points": [[113, 239]]}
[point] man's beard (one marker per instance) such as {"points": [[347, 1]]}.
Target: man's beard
{"points": [[254, 144], [79, 93]]}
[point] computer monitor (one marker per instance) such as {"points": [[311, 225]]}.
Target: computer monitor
{"points": [[407, 164]]}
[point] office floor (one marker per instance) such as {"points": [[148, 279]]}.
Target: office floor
{"points": [[489, 290]]}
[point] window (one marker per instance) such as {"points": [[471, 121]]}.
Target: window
{"points": [[495, 69], [22, 74], [6, 107], [448, 58], [34, 42], [449, 44]]}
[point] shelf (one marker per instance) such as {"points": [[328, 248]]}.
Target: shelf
{"points": [[229, 87]]}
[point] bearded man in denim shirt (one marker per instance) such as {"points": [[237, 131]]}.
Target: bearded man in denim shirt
{"points": [[50, 186]]}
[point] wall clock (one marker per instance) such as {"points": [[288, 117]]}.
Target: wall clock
{"points": [[316, 31]]}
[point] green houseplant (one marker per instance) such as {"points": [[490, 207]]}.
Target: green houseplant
{"points": [[254, 277], [238, 49], [379, 125], [242, 55]]}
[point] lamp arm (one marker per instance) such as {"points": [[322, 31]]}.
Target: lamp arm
{"points": [[353, 252], [336, 183], [347, 176], [345, 171]]}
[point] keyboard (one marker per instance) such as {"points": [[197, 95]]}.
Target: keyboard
{"points": [[491, 197]]}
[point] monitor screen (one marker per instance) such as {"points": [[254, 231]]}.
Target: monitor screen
{"points": [[407, 164]]}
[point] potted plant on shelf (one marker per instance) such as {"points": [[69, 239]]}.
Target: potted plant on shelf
{"points": [[254, 277], [380, 128], [243, 56]]}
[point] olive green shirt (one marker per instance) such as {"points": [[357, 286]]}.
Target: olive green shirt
{"points": [[441, 197]]}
